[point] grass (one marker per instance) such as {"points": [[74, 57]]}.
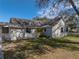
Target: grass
{"points": [[72, 38], [24, 49]]}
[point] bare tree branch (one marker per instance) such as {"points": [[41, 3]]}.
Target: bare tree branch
{"points": [[43, 3], [74, 6]]}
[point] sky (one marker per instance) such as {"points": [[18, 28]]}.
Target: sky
{"points": [[26, 9]]}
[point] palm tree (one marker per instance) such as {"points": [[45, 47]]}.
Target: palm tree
{"points": [[43, 3]]}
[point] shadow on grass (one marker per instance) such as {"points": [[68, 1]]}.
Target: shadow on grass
{"points": [[58, 43], [36, 46], [24, 52], [14, 55]]}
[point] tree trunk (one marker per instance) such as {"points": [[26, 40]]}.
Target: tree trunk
{"points": [[74, 6]]}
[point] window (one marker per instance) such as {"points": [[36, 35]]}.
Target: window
{"points": [[62, 30], [5, 30], [66, 29], [45, 30], [28, 30]]}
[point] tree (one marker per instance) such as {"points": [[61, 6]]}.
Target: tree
{"points": [[74, 6], [44, 19], [45, 3], [70, 22]]}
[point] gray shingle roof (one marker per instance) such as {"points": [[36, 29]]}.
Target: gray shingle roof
{"points": [[23, 23], [54, 21]]}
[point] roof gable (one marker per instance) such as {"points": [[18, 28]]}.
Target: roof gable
{"points": [[54, 21]]}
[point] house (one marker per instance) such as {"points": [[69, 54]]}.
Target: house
{"points": [[56, 28], [23, 29], [18, 29], [14, 32]]}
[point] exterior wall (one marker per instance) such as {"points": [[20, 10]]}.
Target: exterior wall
{"points": [[31, 35], [56, 30], [48, 31], [15, 34]]}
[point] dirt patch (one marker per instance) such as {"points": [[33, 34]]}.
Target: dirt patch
{"points": [[59, 54], [54, 50]]}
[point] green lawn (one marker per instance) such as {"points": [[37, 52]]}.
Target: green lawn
{"points": [[72, 38]]}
